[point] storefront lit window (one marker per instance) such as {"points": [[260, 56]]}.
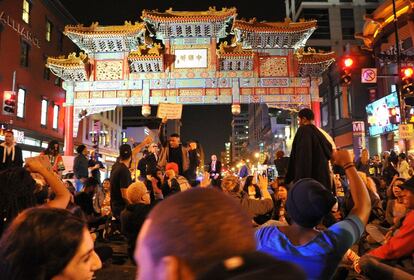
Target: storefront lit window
{"points": [[43, 116], [55, 116], [27, 6], [21, 100]]}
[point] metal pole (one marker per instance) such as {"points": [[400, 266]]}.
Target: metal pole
{"points": [[397, 47], [14, 81]]}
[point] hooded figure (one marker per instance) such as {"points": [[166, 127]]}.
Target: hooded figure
{"points": [[311, 152]]}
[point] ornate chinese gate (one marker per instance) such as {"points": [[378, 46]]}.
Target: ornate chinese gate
{"points": [[206, 57]]}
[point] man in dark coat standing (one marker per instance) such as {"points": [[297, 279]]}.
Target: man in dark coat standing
{"points": [[10, 153], [311, 152], [214, 168]]}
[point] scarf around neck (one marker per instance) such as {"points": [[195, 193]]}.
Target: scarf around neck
{"points": [[7, 151]]}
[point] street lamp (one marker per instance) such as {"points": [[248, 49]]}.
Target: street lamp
{"points": [[146, 110], [235, 109]]}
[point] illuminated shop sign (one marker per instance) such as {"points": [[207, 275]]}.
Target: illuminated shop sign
{"points": [[383, 115]]}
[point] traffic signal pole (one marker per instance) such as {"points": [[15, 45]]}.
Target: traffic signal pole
{"points": [[401, 101], [397, 48], [14, 80]]}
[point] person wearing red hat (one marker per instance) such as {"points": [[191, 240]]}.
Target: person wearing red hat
{"points": [[173, 182]]}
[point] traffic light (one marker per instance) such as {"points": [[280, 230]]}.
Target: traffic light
{"points": [[407, 85], [9, 103], [346, 66]]}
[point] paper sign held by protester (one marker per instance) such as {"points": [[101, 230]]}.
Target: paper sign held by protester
{"points": [[170, 110]]}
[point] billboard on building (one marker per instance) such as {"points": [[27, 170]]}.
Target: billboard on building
{"points": [[383, 115]]}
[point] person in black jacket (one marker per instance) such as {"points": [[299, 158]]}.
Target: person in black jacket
{"points": [[134, 214], [311, 152], [214, 168], [152, 159], [10, 153], [194, 160]]}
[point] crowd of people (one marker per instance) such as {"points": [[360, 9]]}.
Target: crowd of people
{"points": [[325, 216]]}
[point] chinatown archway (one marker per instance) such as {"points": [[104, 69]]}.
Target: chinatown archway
{"points": [[206, 57]]}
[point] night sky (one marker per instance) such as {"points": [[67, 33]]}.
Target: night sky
{"points": [[209, 124]]}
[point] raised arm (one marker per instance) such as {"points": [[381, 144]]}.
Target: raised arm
{"points": [[42, 166], [359, 192], [147, 140]]}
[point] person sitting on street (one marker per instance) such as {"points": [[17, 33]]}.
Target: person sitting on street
{"points": [[394, 259], [219, 241], [134, 214], [173, 182], [317, 252], [231, 186], [85, 200]]}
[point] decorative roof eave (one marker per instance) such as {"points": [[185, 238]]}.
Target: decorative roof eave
{"points": [[275, 27], [293, 107], [312, 57], [95, 38], [72, 68], [72, 61], [128, 29], [282, 37], [376, 22], [146, 53], [135, 57], [212, 15], [237, 50], [314, 69], [236, 55], [312, 63]]}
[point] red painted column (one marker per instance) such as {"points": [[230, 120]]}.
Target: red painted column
{"points": [[316, 108], [315, 100], [69, 130]]}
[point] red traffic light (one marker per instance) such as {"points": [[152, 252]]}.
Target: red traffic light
{"points": [[7, 95], [9, 102], [407, 72], [348, 62]]}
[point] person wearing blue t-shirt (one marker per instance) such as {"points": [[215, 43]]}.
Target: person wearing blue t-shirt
{"points": [[318, 253]]}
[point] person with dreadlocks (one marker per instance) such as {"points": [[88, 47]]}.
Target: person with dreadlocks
{"points": [[18, 188], [54, 156]]}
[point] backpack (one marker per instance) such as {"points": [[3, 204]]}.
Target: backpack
{"points": [[184, 184]]}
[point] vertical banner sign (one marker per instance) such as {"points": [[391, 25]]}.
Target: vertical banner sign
{"points": [[96, 133], [358, 137]]}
